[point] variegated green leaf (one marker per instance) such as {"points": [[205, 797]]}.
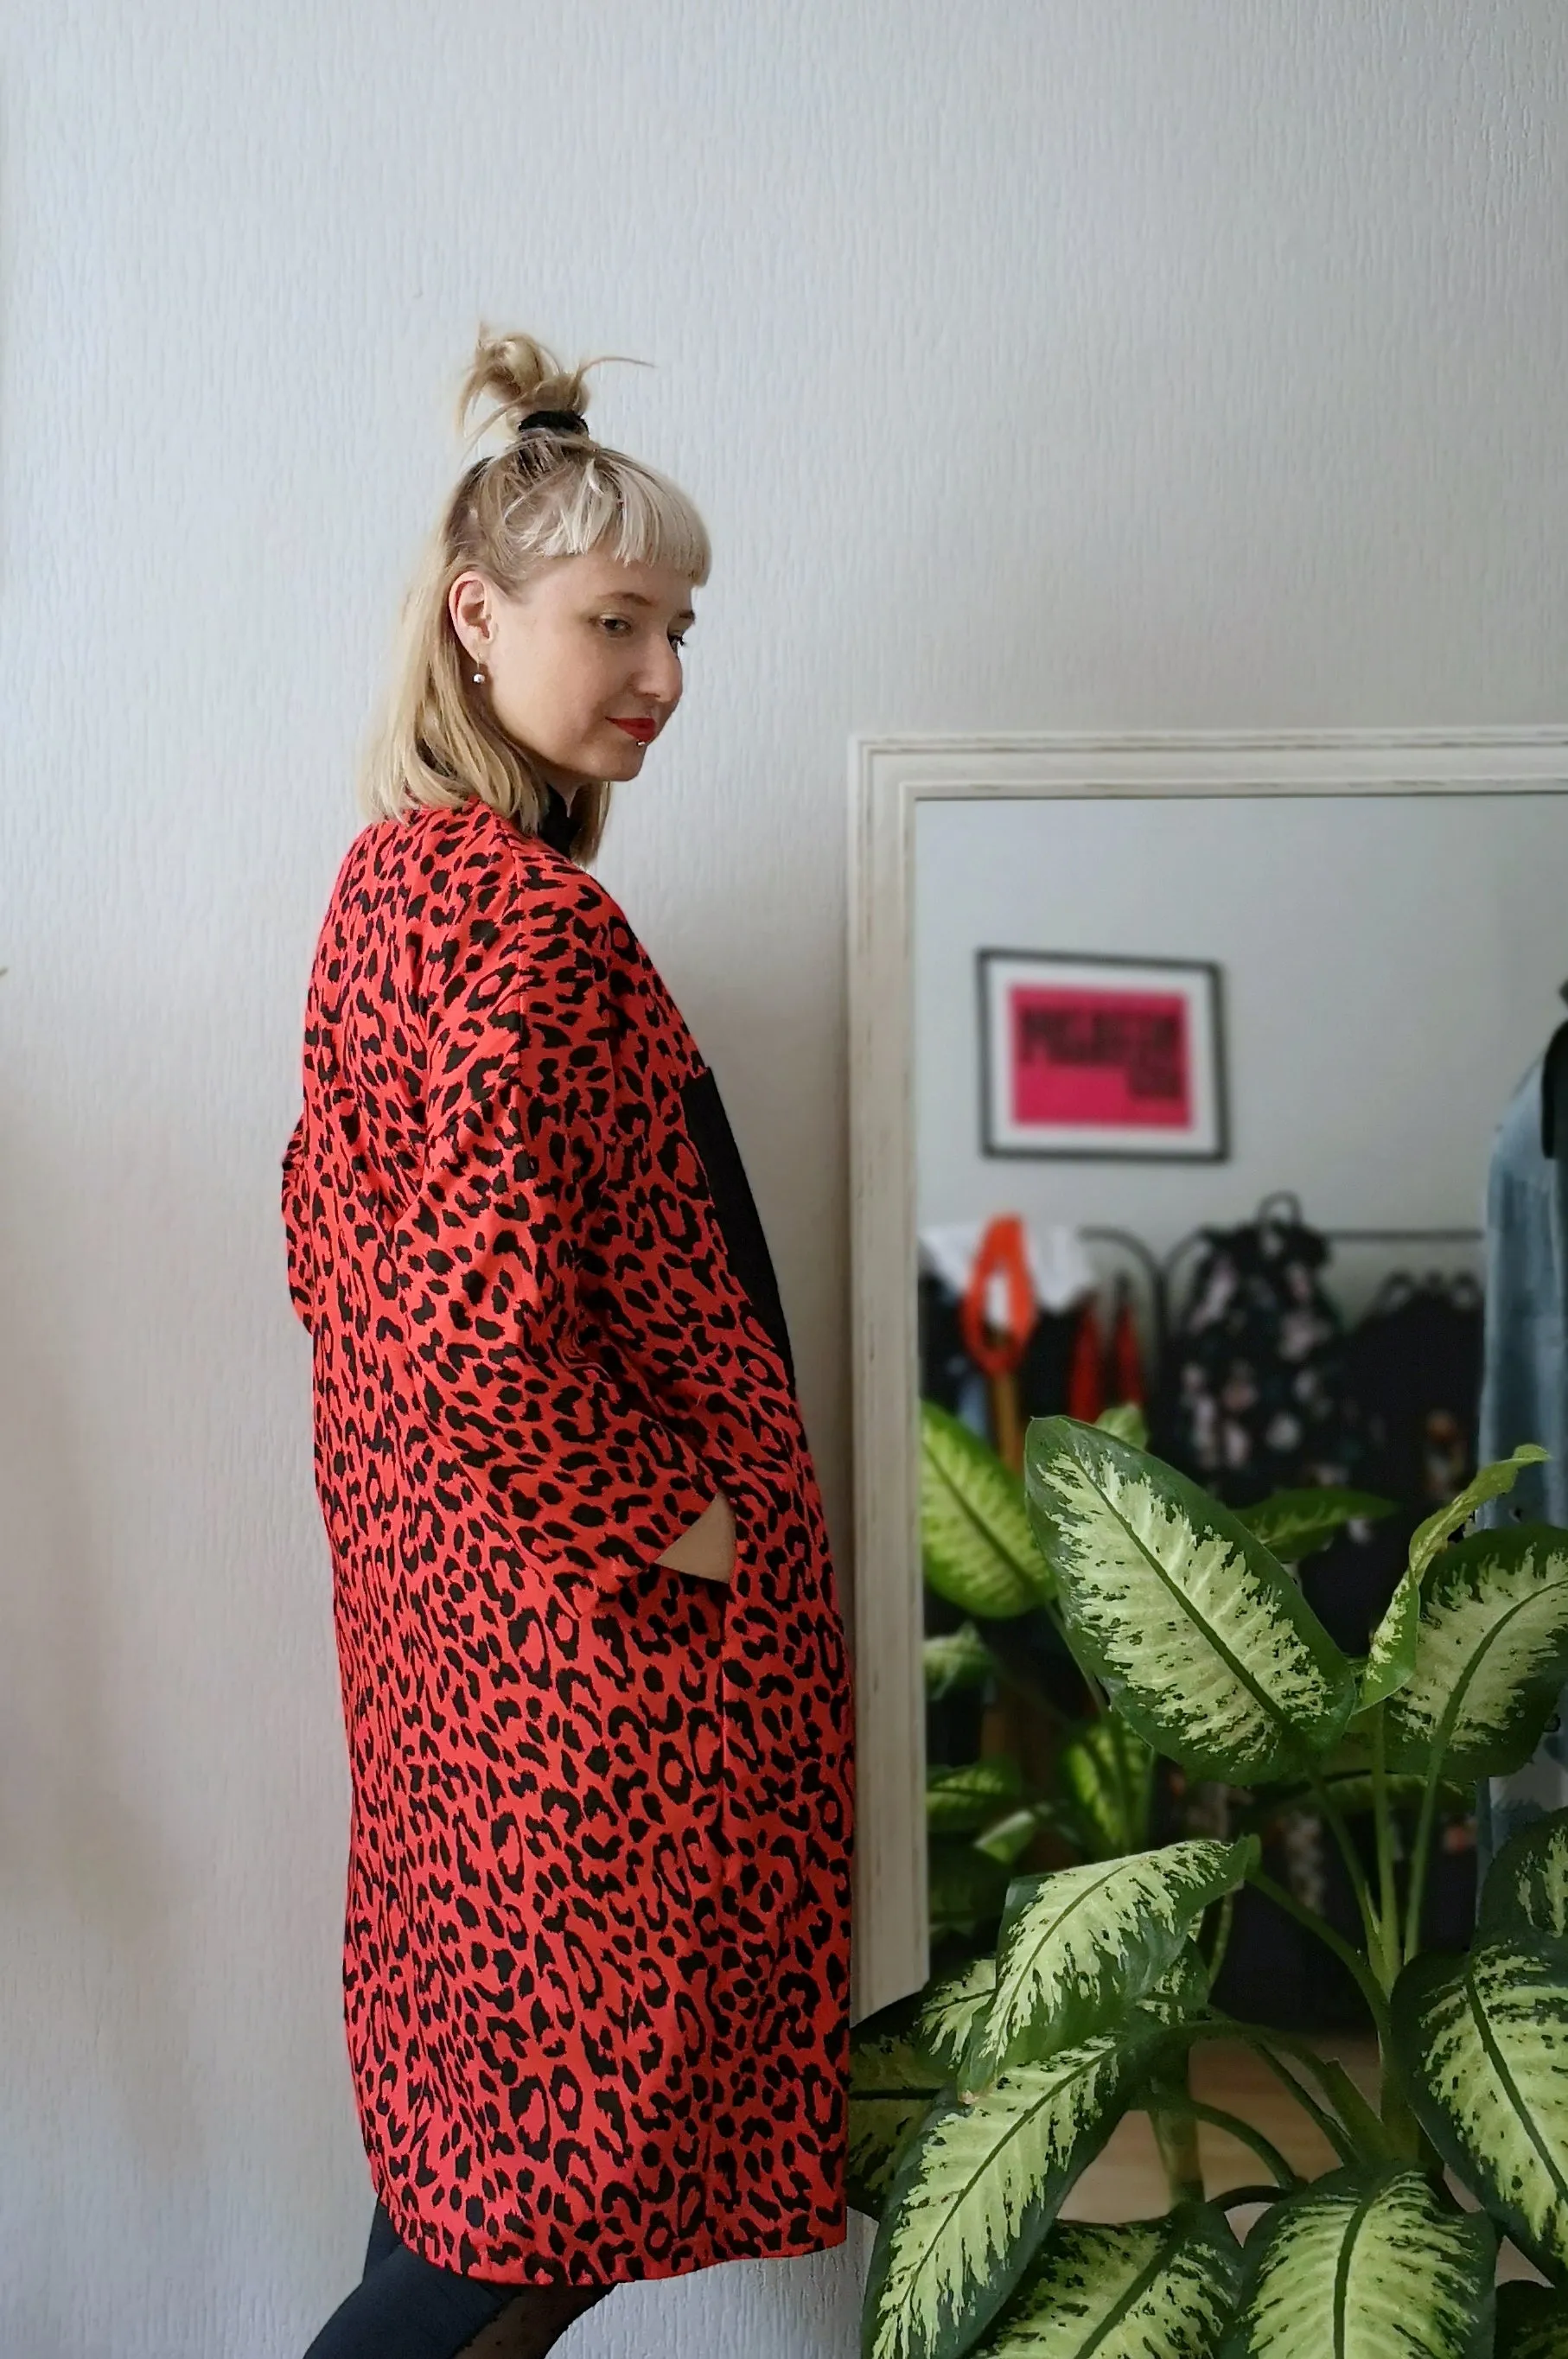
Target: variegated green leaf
{"points": [[1181, 1990], [1481, 2046], [948, 2012], [1106, 1775], [1007, 1838], [1126, 1422], [960, 1799], [1526, 1889], [1153, 2289], [966, 1890], [1199, 1634], [975, 1544], [892, 2088], [954, 1660], [1494, 1482], [1079, 1948], [1297, 1524], [978, 2190], [1391, 1659], [1491, 1656], [1532, 2322], [1367, 2269]]}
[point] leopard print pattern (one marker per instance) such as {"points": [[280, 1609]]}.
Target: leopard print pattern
{"points": [[597, 1925]]}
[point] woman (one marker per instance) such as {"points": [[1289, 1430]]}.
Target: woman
{"points": [[593, 1673]]}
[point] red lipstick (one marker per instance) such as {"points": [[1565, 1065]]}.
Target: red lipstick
{"points": [[643, 731]]}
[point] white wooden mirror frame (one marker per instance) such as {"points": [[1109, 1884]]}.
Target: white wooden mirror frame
{"points": [[889, 778]]}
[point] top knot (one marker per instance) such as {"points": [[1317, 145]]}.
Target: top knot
{"points": [[559, 421]]}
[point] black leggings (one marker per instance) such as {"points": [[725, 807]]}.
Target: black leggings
{"points": [[405, 2308]]}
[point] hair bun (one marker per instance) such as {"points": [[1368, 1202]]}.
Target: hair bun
{"points": [[524, 384], [557, 421]]}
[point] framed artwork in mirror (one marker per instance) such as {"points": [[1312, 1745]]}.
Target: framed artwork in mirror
{"points": [[1089, 1057]]}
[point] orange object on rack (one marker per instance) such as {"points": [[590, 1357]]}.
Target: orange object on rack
{"points": [[1126, 1358], [1086, 1375], [997, 1351]]}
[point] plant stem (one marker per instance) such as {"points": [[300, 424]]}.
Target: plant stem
{"points": [[1336, 2134], [1366, 1980], [1387, 1960], [1423, 1853], [1360, 2119], [1234, 2126], [1176, 2135], [1222, 1940], [1234, 2197], [1351, 1857]]}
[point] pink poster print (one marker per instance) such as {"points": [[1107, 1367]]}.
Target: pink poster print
{"points": [[1099, 1056], [1102, 1058]]}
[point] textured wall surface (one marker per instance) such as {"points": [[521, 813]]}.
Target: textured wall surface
{"points": [[1183, 362]]}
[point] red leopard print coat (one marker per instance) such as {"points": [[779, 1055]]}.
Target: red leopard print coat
{"points": [[596, 1948]]}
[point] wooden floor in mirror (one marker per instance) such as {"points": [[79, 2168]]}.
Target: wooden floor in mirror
{"points": [[1129, 2184]]}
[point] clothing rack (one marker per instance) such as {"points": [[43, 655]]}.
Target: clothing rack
{"points": [[1160, 1272]]}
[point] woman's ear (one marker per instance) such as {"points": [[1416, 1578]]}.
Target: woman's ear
{"points": [[470, 604]]}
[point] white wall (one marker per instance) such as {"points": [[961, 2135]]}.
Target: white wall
{"points": [[1184, 363], [1391, 964]]}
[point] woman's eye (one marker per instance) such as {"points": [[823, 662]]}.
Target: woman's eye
{"points": [[618, 623]]}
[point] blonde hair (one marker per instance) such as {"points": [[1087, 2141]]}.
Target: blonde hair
{"points": [[548, 495]]}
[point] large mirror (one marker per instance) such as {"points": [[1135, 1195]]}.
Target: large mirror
{"points": [[1178, 1066]]}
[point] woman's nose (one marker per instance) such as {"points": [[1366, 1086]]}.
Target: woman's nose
{"points": [[659, 674]]}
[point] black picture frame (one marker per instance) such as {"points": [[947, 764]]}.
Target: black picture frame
{"points": [[1203, 983]]}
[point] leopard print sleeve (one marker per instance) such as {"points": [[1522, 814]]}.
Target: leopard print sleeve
{"points": [[520, 1107], [297, 1226]]}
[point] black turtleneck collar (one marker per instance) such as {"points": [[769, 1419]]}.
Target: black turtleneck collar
{"points": [[557, 828]]}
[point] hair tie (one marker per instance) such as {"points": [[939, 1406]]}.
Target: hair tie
{"points": [[560, 421]]}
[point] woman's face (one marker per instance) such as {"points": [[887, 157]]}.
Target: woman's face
{"points": [[590, 644]]}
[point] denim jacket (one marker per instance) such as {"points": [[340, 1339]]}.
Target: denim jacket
{"points": [[1524, 1394]]}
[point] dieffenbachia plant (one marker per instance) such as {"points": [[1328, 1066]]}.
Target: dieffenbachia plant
{"points": [[978, 1552], [977, 2103]]}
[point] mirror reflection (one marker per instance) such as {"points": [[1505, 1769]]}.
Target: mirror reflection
{"points": [[1207, 1091]]}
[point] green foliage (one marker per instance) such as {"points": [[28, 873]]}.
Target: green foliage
{"points": [[1079, 1947], [1532, 2322], [1491, 1654], [954, 1660], [1105, 1775], [979, 2188], [1481, 2046], [974, 1535], [1527, 1889], [967, 1889], [981, 2104], [1196, 1631], [1371, 2264], [1155, 2289], [961, 1801], [1391, 1659], [1298, 1524]]}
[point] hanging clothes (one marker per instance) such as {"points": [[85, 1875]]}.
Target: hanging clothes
{"points": [[1061, 1276], [1413, 1368], [1524, 1386], [1255, 1396], [1086, 1375], [1127, 1376]]}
